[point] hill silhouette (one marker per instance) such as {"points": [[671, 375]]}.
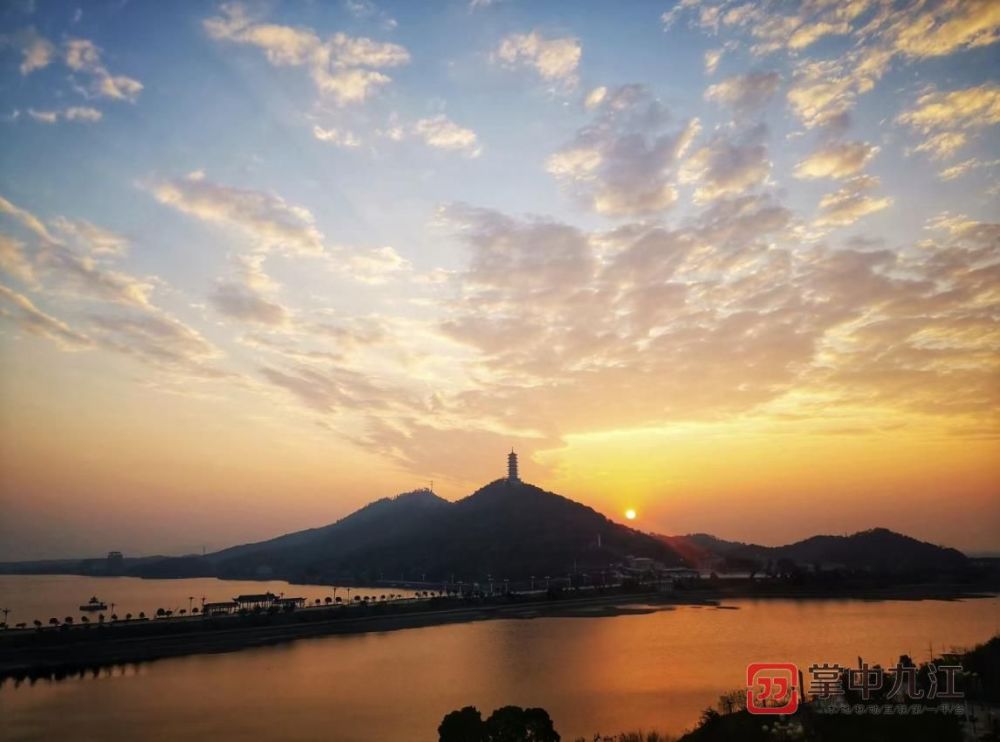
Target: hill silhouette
{"points": [[510, 530], [877, 550]]}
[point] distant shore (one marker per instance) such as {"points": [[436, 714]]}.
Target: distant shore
{"points": [[52, 652]]}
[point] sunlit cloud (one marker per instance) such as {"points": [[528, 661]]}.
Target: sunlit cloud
{"points": [[84, 57], [745, 93], [947, 117], [345, 67], [555, 60], [836, 160], [37, 52], [267, 218], [851, 202], [440, 132], [625, 161], [33, 320]]}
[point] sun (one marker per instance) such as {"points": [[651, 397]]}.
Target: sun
{"points": [[630, 514]]}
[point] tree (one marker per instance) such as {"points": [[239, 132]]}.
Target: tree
{"points": [[464, 725], [507, 724], [68, 620], [515, 724], [161, 612], [142, 615], [328, 600], [38, 624], [53, 621], [128, 616]]}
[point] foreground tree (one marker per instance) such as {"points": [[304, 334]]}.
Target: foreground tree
{"points": [[515, 724], [507, 724], [464, 725]]}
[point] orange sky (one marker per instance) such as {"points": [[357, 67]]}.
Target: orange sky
{"points": [[736, 269]]}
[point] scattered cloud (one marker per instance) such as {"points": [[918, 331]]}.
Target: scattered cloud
{"points": [[37, 52], [346, 68], [851, 202], [555, 59], [745, 94], [947, 118], [268, 219], [625, 161], [32, 320], [966, 166], [81, 114], [836, 160], [369, 11], [84, 57], [724, 167], [442, 133], [337, 137]]}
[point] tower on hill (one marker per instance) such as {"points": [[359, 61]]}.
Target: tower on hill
{"points": [[512, 467]]}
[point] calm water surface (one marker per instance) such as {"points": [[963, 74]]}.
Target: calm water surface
{"points": [[592, 674], [57, 596]]}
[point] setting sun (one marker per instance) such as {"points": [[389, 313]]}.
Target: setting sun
{"points": [[630, 514]]}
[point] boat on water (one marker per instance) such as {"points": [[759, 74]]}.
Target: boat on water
{"points": [[94, 605]]}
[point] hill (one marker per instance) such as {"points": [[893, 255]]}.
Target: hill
{"points": [[875, 550], [510, 530]]}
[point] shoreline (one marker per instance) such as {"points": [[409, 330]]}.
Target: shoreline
{"points": [[55, 653]]}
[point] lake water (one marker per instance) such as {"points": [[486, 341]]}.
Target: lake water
{"points": [[655, 671], [56, 596]]}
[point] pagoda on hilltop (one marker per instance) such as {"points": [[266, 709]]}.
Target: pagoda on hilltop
{"points": [[512, 467]]}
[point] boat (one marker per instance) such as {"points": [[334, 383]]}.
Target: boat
{"points": [[94, 605]]}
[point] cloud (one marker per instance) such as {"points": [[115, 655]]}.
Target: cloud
{"points": [[241, 302], [15, 262], [45, 117], [27, 220], [728, 168], [367, 10], [555, 60], [851, 202], [246, 295], [836, 160], [156, 338], [118, 314], [81, 275], [95, 240], [32, 320], [37, 52], [966, 166], [946, 118], [879, 34], [337, 137], [712, 59], [375, 266], [268, 219], [83, 56], [624, 162], [946, 27], [442, 133], [345, 67], [79, 114], [823, 90], [745, 93], [330, 390]]}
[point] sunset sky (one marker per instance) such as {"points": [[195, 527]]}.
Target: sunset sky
{"points": [[733, 265]]}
